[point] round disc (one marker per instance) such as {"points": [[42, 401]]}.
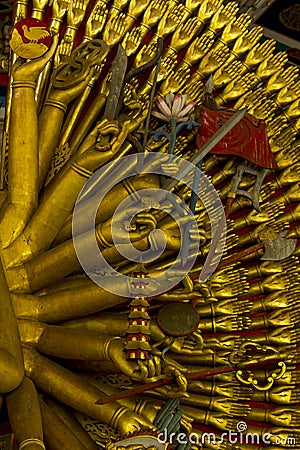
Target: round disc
{"points": [[30, 38], [178, 319]]}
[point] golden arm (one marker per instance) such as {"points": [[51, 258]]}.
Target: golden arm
{"points": [[11, 358], [24, 415], [23, 148]]}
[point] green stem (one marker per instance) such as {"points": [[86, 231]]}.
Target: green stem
{"points": [[173, 135]]}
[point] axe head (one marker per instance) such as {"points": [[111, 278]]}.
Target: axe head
{"points": [[279, 248]]}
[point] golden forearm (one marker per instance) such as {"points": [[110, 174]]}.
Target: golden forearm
{"points": [[11, 359], [22, 164], [101, 324], [43, 270], [50, 123], [55, 206], [67, 387], [65, 305], [70, 423], [22, 153], [24, 415], [58, 341], [110, 325], [57, 434]]}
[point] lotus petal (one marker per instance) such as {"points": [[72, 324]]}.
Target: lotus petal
{"points": [[186, 109], [169, 98], [160, 116], [183, 119], [163, 107], [177, 105]]}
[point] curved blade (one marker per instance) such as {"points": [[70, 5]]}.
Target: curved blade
{"points": [[279, 248]]}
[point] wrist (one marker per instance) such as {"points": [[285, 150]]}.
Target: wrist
{"points": [[82, 171], [17, 84], [118, 416], [103, 234], [109, 348], [54, 103], [32, 443]]}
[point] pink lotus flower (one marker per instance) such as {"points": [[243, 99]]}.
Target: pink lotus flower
{"points": [[173, 107]]}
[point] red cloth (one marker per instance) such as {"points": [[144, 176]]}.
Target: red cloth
{"points": [[248, 139]]}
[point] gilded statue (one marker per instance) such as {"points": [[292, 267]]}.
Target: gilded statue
{"points": [[143, 132]]}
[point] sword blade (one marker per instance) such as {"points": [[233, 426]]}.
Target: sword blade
{"points": [[208, 146]]}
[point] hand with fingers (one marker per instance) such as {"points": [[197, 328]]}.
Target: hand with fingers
{"points": [[279, 318], [115, 30], [64, 50], [146, 371], [233, 390], [230, 306], [284, 417], [251, 98], [289, 93], [212, 61], [227, 275], [282, 435], [276, 126], [283, 140], [101, 145], [178, 389], [207, 9], [235, 28], [268, 212], [185, 33], [227, 324], [272, 267], [136, 7], [280, 300], [154, 12], [277, 282], [175, 80], [260, 52], [76, 13], [227, 73], [222, 16], [170, 21], [195, 89], [281, 79], [239, 87], [292, 111], [247, 41], [59, 8], [271, 65], [96, 20], [189, 345], [226, 343], [198, 48], [29, 70], [265, 112], [283, 336], [121, 229], [146, 53], [229, 407], [219, 290], [132, 40], [285, 395]]}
